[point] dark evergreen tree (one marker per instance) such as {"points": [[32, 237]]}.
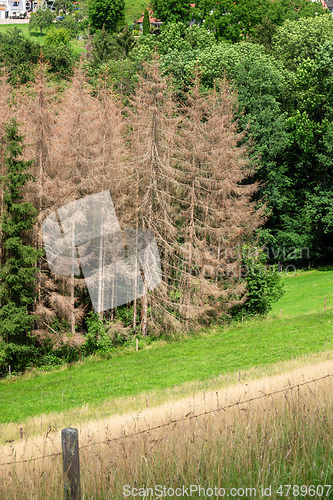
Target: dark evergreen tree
{"points": [[18, 260], [146, 23]]}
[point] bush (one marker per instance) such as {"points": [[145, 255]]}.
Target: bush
{"points": [[19, 357], [48, 361], [67, 352], [264, 284], [57, 36], [61, 59], [19, 54], [97, 340]]}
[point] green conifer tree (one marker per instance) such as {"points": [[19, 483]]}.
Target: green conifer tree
{"points": [[18, 260], [146, 23]]}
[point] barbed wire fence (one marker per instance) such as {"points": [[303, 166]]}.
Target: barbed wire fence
{"points": [[176, 421]]}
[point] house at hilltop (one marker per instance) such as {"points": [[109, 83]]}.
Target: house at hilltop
{"points": [[12, 9], [154, 23], [328, 4]]}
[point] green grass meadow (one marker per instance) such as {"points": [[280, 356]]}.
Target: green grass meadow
{"points": [[77, 45], [24, 27], [255, 343], [306, 292], [133, 11]]}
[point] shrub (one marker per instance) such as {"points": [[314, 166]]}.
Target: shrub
{"points": [[19, 54], [97, 340], [264, 284], [18, 356], [57, 36], [61, 59]]}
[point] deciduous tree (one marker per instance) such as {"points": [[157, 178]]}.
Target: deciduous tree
{"points": [[172, 10], [41, 19], [105, 13]]}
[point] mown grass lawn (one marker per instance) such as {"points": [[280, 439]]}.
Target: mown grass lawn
{"points": [[133, 11], [239, 347], [33, 35], [77, 45]]}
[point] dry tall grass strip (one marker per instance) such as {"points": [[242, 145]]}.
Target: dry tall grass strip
{"points": [[191, 415], [257, 441], [187, 417]]}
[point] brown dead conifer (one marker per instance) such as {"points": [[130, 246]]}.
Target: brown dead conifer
{"points": [[154, 188], [219, 215], [88, 152], [187, 189]]}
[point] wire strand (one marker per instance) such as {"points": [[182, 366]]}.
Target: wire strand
{"points": [[172, 422]]}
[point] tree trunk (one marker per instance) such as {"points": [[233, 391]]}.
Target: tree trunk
{"points": [[72, 287], [144, 308]]}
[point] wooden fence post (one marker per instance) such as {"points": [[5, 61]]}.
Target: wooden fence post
{"points": [[71, 462]]}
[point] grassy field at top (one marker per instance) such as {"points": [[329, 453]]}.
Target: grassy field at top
{"points": [[255, 343], [33, 35], [133, 11], [77, 45]]}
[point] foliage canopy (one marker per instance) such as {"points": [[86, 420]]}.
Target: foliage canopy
{"points": [[41, 19], [107, 13]]}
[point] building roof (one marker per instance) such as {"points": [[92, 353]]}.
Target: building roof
{"points": [[327, 4], [152, 19]]}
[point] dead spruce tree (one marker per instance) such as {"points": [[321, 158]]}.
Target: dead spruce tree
{"points": [[87, 157], [73, 164], [36, 109], [217, 215], [186, 188], [110, 170], [151, 201]]}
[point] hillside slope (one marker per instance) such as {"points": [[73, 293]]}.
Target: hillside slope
{"points": [[252, 345]]}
